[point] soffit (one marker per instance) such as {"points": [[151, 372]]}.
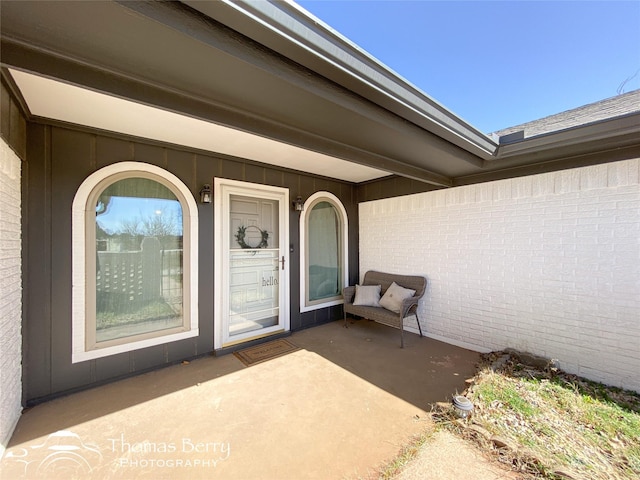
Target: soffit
{"points": [[52, 99]]}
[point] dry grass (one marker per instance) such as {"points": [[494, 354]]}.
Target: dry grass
{"points": [[549, 424], [406, 455]]}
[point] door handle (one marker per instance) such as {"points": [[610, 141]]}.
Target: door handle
{"points": [[280, 261]]}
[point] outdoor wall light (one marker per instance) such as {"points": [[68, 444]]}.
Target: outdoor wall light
{"points": [[205, 194], [298, 205]]}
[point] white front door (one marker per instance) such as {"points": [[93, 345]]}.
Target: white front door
{"points": [[251, 261]]}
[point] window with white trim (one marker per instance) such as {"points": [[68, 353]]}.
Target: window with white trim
{"points": [[135, 232], [324, 251]]}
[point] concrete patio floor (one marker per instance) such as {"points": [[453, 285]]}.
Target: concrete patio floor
{"points": [[338, 408]]}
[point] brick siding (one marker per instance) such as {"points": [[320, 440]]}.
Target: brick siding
{"points": [[548, 264], [10, 294]]}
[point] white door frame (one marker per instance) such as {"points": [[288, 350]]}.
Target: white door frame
{"points": [[223, 189]]}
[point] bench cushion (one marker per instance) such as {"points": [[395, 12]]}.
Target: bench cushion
{"points": [[407, 291], [393, 297], [367, 295]]}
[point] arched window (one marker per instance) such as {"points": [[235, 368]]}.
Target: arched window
{"points": [[135, 232], [324, 251]]}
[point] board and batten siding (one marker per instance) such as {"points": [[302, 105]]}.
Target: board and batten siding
{"points": [[59, 160], [547, 264]]}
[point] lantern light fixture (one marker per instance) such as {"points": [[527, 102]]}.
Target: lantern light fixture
{"points": [[205, 194]]}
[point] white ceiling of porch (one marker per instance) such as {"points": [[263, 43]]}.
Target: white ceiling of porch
{"points": [[60, 101]]}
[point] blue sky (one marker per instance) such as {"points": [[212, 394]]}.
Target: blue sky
{"points": [[131, 209], [497, 64]]}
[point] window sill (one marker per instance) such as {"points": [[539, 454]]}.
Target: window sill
{"points": [[128, 347]]}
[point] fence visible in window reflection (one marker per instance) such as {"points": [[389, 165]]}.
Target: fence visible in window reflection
{"points": [[138, 292], [139, 260]]}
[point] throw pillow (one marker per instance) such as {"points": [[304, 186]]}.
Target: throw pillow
{"points": [[367, 295], [393, 297]]}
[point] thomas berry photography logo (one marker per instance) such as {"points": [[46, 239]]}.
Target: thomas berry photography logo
{"points": [[62, 452], [185, 453]]}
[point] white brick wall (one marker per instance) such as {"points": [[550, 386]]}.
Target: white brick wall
{"points": [[548, 264], [10, 295]]}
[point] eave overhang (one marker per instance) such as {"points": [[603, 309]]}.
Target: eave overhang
{"points": [[597, 142], [272, 70], [605, 134], [170, 56], [291, 31]]}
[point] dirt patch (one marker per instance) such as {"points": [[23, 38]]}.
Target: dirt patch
{"points": [[545, 423]]}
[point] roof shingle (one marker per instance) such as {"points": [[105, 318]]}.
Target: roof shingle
{"points": [[603, 110]]}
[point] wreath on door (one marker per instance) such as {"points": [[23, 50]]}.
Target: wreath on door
{"points": [[242, 231]]}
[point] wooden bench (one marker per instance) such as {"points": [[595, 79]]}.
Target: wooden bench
{"points": [[380, 314]]}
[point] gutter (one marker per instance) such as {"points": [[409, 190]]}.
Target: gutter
{"points": [[613, 133], [288, 29], [293, 32]]}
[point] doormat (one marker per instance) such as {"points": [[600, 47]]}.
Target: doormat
{"points": [[266, 351]]}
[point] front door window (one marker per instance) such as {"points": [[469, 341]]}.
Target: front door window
{"points": [[252, 261]]}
